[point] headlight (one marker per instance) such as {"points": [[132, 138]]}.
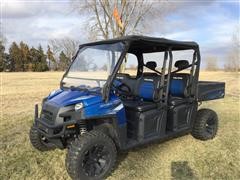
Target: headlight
{"points": [[52, 93], [78, 106]]}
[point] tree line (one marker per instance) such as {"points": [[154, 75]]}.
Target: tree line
{"points": [[20, 57], [105, 19], [232, 62]]}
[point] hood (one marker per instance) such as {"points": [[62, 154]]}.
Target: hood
{"points": [[70, 97]]}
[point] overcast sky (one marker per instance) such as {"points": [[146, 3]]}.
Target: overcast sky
{"points": [[210, 23]]}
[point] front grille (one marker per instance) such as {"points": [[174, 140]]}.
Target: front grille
{"points": [[43, 128], [47, 116]]}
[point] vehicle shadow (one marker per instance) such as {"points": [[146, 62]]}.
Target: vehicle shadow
{"points": [[180, 170]]}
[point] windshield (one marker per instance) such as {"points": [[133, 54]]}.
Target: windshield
{"points": [[93, 65]]}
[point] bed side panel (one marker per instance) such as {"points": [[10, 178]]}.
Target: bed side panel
{"points": [[209, 90]]}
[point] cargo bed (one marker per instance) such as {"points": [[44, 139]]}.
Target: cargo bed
{"points": [[209, 90]]}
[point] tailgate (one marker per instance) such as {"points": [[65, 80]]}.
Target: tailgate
{"points": [[209, 90]]}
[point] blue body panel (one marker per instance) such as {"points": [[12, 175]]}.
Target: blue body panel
{"points": [[217, 94], [93, 105]]}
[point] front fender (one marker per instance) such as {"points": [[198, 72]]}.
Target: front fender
{"points": [[111, 108], [117, 133]]}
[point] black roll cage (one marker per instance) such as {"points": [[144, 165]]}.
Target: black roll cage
{"points": [[165, 78]]}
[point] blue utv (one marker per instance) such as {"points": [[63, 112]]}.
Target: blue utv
{"points": [[121, 93]]}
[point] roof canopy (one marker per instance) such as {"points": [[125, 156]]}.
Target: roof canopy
{"points": [[147, 44]]}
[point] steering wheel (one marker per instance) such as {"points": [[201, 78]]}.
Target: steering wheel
{"points": [[122, 89]]}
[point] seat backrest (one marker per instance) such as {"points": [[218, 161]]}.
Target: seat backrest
{"points": [[147, 84], [126, 79], [147, 87], [120, 77], [179, 85], [144, 87]]}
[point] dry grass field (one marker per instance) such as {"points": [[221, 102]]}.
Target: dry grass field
{"points": [[181, 158]]}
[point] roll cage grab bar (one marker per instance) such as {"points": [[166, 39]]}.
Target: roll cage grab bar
{"points": [[162, 87], [165, 78]]}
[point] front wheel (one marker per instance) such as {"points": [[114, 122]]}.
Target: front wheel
{"points": [[38, 141], [206, 125], [91, 156]]}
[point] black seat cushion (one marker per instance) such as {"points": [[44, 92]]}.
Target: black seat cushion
{"points": [[175, 101], [139, 105]]}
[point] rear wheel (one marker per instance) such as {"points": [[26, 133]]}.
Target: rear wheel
{"points": [[38, 141], [91, 156], [206, 124]]}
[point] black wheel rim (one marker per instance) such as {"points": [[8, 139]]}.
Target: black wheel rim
{"points": [[210, 126], [44, 140], [96, 160]]}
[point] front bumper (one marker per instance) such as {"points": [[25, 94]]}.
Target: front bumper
{"points": [[55, 134], [53, 131]]}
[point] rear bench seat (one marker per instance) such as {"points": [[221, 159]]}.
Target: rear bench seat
{"points": [[179, 82], [178, 89]]}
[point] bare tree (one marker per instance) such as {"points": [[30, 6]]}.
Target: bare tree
{"points": [[212, 64], [131, 13], [3, 39], [67, 45], [233, 63]]}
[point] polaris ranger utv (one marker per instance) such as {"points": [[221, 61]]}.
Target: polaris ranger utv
{"points": [[121, 93]]}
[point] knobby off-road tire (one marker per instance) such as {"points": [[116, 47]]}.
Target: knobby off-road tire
{"points": [[37, 140], [88, 153], [206, 125]]}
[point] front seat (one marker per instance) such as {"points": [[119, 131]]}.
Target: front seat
{"points": [[145, 90]]}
